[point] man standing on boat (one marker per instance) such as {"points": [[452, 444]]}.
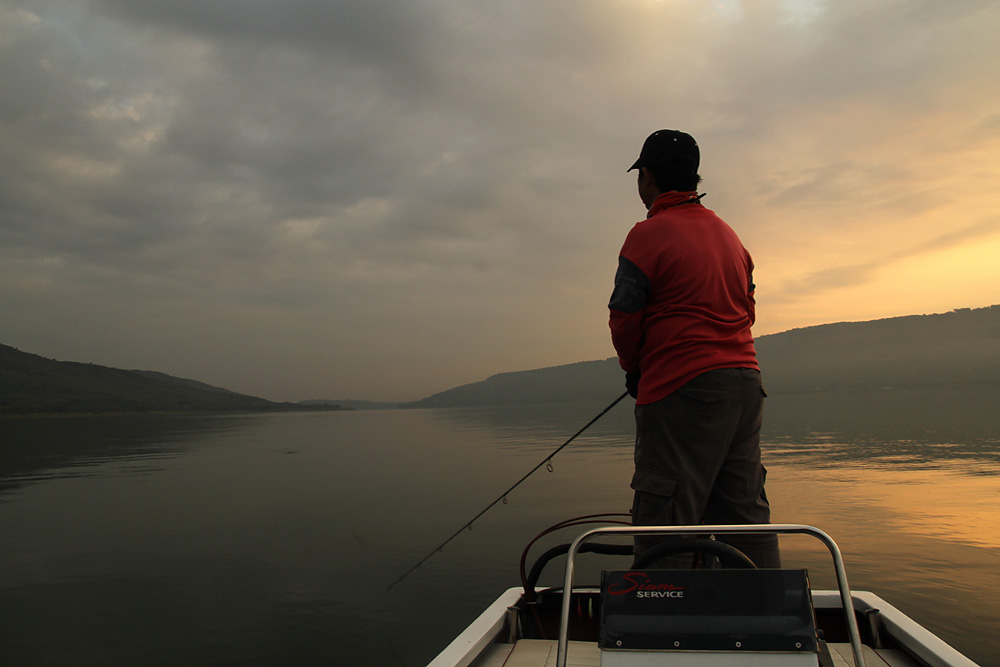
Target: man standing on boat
{"points": [[681, 312]]}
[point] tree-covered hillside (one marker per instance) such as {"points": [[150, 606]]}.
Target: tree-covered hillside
{"points": [[959, 348], [33, 384]]}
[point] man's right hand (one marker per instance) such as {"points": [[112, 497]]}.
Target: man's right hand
{"points": [[632, 384]]}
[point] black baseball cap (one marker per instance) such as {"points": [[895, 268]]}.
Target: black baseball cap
{"points": [[669, 149]]}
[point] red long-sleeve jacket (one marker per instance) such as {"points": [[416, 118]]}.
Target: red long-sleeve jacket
{"points": [[683, 302]]}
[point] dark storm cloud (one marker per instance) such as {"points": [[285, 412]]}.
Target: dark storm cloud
{"points": [[368, 32]]}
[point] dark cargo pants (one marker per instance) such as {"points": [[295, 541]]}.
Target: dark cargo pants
{"points": [[697, 460]]}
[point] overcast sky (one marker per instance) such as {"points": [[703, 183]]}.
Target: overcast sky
{"points": [[383, 199]]}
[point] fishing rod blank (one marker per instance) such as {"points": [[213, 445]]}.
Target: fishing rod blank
{"points": [[547, 461]]}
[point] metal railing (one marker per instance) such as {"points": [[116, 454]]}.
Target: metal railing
{"points": [[777, 529]]}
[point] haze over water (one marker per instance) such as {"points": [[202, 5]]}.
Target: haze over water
{"points": [[271, 539]]}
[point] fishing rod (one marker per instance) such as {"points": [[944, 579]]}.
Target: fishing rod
{"points": [[503, 496]]}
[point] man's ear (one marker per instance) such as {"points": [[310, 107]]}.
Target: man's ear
{"points": [[647, 178]]}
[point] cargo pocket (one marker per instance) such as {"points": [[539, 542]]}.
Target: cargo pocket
{"points": [[653, 504]]}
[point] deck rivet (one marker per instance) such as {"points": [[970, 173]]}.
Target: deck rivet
{"points": [[619, 642], [739, 644], [676, 644]]}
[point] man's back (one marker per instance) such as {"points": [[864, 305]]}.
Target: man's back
{"points": [[698, 306]]}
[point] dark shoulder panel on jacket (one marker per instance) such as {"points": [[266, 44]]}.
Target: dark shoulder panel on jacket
{"points": [[631, 287]]}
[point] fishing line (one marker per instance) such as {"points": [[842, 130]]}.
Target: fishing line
{"points": [[547, 461]]}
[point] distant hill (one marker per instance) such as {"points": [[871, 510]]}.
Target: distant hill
{"points": [[350, 404], [961, 347], [956, 349], [33, 384], [580, 381]]}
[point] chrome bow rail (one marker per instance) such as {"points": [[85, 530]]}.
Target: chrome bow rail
{"points": [[779, 529]]}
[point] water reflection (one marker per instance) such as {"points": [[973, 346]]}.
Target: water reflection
{"points": [[832, 450], [543, 427], [34, 450], [256, 537]]}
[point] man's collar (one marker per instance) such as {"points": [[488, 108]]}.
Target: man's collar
{"points": [[672, 198]]}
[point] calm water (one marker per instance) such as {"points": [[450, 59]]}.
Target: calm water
{"points": [[271, 539]]}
